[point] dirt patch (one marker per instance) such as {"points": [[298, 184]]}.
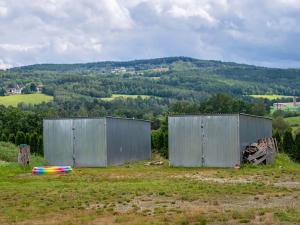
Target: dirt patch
{"points": [[200, 177], [288, 184]]}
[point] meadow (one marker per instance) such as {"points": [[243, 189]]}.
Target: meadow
{"points": [[271, 97], [294, 122], [138, 194], [34, 99], [120, 96]]}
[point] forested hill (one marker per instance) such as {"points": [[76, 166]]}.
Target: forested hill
{"points": [[178, 78]]}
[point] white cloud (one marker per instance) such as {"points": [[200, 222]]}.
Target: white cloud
{"points": [[4, 66], [65, 31]]}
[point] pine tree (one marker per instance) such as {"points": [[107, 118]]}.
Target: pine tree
{"points": [[288, 143], [33, 142], [27, 138], [40, 145], [297, 148], [3, 137], [20, 138], [11, 138], [278, 138]]}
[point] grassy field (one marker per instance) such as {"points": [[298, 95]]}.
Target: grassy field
{"points": [[271, 97], [294, 122], [116, 96], [14, 100], [139, 194]]}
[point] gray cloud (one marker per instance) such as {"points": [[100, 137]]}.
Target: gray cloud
{"points": [[63, 31]]}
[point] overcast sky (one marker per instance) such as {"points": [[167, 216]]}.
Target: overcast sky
{"points": [[261, 32]]}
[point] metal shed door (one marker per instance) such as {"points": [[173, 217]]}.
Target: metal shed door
{"points": [[89, 142], [58, 142], [219, 140]]}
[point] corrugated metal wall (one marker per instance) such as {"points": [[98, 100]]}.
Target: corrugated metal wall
{"points": [[185, 145], [58, 142], [196, 141], [213, 140], [90, 142], [220, 141], [253, 128], [127, 140], [87, 142]]}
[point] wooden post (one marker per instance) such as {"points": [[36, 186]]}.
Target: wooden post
{"points": [[24, 155]]}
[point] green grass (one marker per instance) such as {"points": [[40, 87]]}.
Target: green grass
{"points": [[8, 152], [138, 194], [271, 97], [14, 100], [294, 122], [116, 96]]}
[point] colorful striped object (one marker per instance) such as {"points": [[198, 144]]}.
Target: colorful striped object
{"points": [[51, 169]]}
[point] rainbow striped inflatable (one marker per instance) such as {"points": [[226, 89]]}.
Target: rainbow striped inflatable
{"points": [[51, 169]]}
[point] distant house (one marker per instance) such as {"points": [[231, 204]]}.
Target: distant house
{"points": [[39, 88], [287, 105], [15, 90]]}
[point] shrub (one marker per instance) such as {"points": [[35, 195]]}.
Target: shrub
{"points": [[288, 143], [3, 138], [297, 148], [8, 152], [34, 142], [11, 138], [20, 138]]}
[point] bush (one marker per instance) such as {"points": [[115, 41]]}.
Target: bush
{"points": [[20, 138], [297, 148], [11, 138], [278, 138], [34, 142], [3, 138], [27, 138], [288, 143], [8, 152], [40, 145]]}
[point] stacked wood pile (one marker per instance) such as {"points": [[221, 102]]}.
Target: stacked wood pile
{"points": [[261, 152], [24, 155]]}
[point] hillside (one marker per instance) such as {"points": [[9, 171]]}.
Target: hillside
{"points": [[91, 88], [174, 77]]}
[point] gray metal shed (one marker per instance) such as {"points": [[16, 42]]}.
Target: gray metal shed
{"points": [[96, 142], [214, 140]]}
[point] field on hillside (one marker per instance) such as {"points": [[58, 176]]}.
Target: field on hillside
{"points": [[271, 97], [14, 100], [294, 122], [115, 96], [139, 194]]}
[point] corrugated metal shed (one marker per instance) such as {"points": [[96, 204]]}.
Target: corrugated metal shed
{"points": [[213, 140], [96, 142]]}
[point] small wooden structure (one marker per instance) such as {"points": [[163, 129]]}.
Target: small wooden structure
{"points": [[261, 152], [24, 155]]}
